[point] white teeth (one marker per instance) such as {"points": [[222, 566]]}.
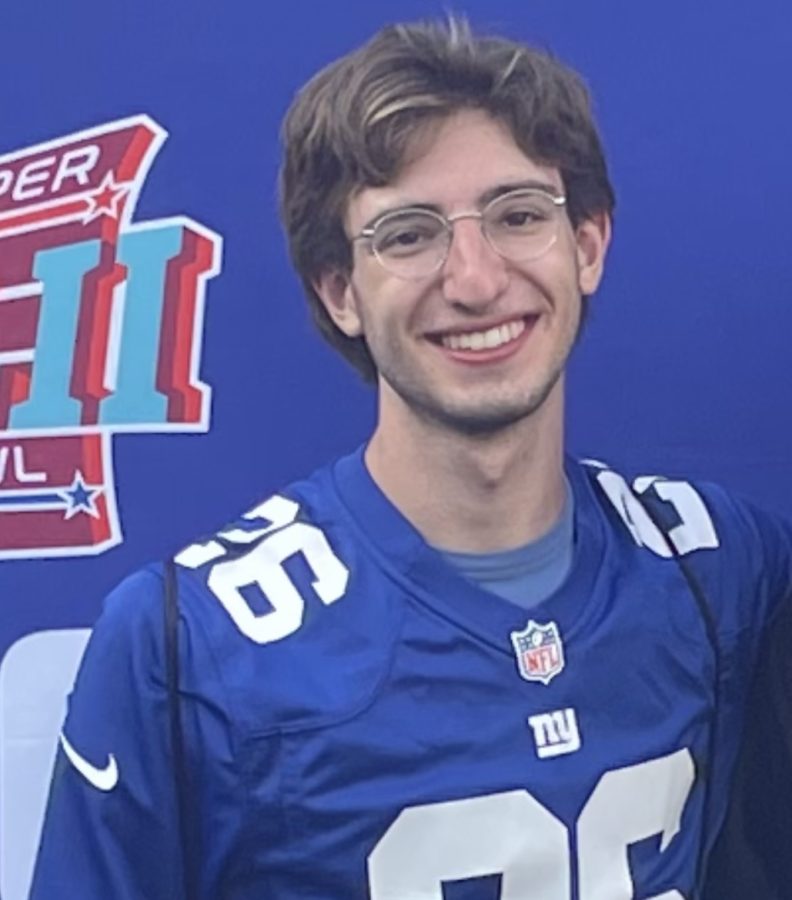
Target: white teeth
{"points": [[485, 340]]}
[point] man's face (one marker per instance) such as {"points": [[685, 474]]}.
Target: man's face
{"points": [[423, 333]]}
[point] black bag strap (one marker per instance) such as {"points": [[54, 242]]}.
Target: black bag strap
{"points": [[180, 777]]}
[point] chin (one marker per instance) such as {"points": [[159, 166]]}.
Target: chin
{"points": [[482, 419], [496, 408]]}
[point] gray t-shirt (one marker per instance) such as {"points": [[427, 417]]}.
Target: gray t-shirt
{"points": [[526, 575]]}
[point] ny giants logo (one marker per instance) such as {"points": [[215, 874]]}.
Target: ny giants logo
{"points": [[100, 331]]}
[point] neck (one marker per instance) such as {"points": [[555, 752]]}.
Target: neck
{"points": [[472, 493]]}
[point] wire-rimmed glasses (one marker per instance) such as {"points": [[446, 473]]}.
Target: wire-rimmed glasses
{"points": [[413, 242]]}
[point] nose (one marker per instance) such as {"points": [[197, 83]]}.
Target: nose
{"points": [[474, 275]]}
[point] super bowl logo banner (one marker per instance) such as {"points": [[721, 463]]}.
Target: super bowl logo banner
{"points": [[100, 331]]}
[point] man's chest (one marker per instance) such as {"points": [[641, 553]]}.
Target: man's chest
{"points": [[460, 778]]}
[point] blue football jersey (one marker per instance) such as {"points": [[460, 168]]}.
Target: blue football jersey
{"points": [[362, 723]]}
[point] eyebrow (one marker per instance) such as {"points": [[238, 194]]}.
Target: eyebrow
{"points": [[487, 197], [532, 183]]}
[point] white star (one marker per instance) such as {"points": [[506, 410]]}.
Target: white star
{"points": [[105, 200]]}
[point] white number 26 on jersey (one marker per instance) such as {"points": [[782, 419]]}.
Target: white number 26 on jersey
{"points": [[262, 567], [514, 836]]}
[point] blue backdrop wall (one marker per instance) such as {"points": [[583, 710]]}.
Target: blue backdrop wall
{"points": [[158, 372]]}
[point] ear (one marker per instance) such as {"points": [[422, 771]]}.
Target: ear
{"points": [[592, 237], [338, 298]]}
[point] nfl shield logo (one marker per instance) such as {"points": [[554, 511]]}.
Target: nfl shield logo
{"points": [[539, 651]]}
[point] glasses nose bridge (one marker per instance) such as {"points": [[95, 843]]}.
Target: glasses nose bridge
{"points": [[461, 216], [458, 217], [471, 214]]}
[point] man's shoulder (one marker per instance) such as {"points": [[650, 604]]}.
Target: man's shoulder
{"points": [[679, 503], [740, 555], [136, 603], [284, 613]]}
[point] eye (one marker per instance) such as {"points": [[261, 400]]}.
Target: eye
{"points": [[406, 235], [402, 238], [524, 213], [518, 218]]}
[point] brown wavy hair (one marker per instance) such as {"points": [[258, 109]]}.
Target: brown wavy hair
{"points": [[350, 125]]}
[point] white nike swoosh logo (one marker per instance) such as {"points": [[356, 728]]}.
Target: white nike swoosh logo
{"points": [[103, 779]]}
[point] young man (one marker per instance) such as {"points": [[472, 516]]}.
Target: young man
{"points": [[454, 664]]}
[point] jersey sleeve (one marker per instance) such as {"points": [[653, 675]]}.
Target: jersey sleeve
{"points": [[751, 566], [775, 535], [751, 855], [111, 827]]}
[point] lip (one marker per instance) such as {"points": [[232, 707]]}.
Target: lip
{"points": [[483, 357]]}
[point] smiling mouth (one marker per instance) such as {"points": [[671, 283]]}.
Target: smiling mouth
{"points": [[487, 339]]}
